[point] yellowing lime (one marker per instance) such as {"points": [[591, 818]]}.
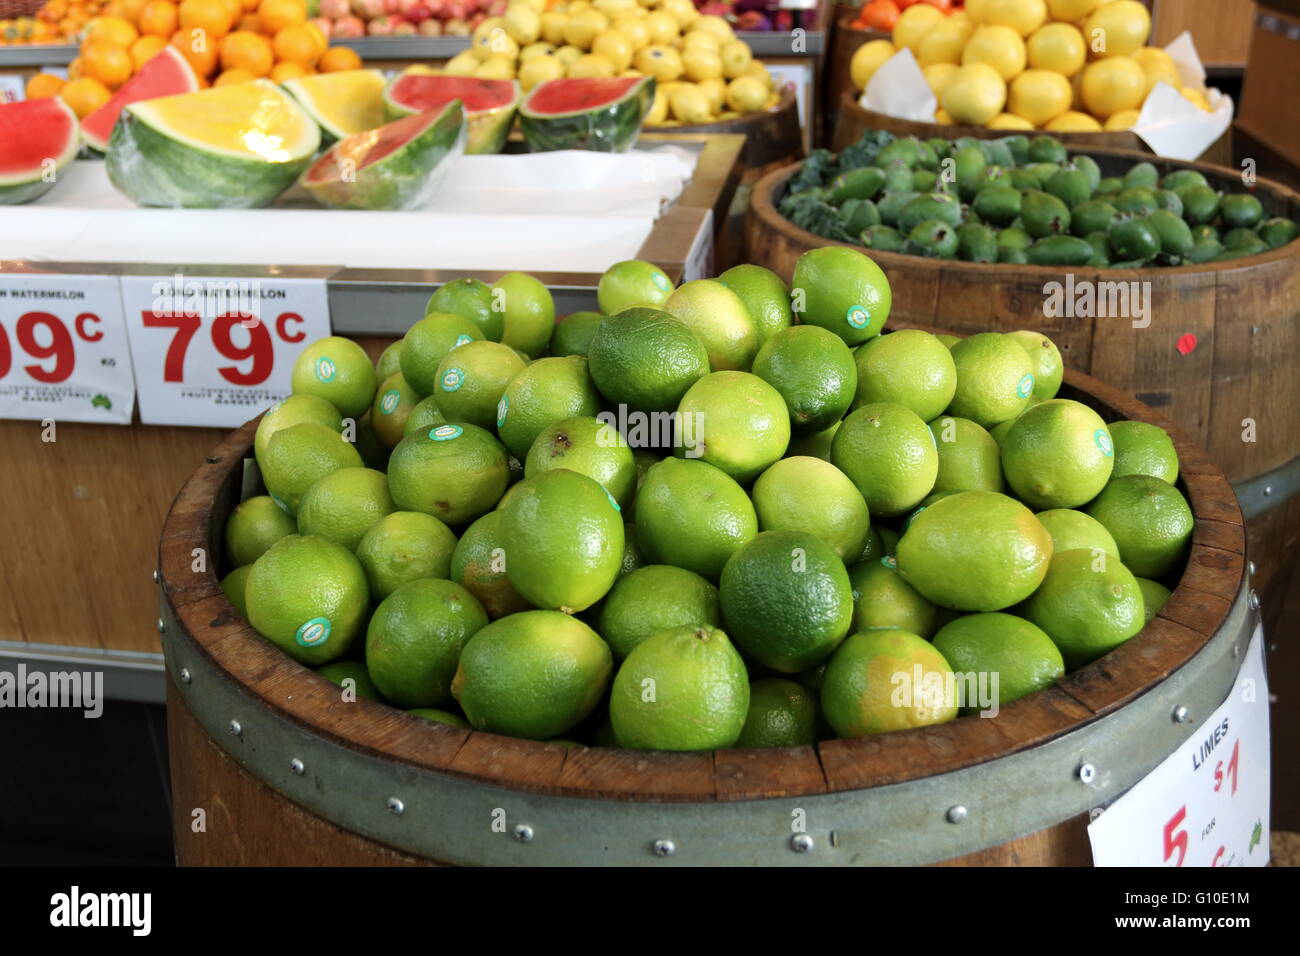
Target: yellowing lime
{"points": [[1057, 46], [1113, 84], [1023, 16], [1119, 28], [914, 24], [867, 59], [1038, 96], [999, 47]]}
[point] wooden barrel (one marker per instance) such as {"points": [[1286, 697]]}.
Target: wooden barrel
{"points": [[853, 120], [844, 42], [1218, 355], [270, 766]]}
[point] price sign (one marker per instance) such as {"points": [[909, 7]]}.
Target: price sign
{"points": [[215, 351], [1207, 803], [63, 349]]}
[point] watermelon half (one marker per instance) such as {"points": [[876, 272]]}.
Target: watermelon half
{"points": [[598, 113], [397, 166], [489, 105], [166, 74], [343, 102], [37, 139]]}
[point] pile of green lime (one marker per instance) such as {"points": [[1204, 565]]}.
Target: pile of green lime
{"points": [[730, 514]]}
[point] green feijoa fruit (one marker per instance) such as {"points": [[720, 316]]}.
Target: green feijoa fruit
{"points": [[968, 166], [997, 204], [1205, 249], [1022, 179], [1060, 251], [1278, 231], [1109, 186], [1243, 252], [1019, 147], [1088, 166], [1136, 201], [881, 237], [1200, 204], [1095, 215], [898, 177], [939, 146], [1241, 211], [863, 183], [924, 180], [940, 206], [1043, 172], [1183, 177], [1044, 214], [1071, 186], [993, 175], [976, 242], [907, 149], [1012, 256], [1239, 238], [1133, 239], [1130, 264], [863, 214], [893, 203], [1205, 231], [996, 152], [1014, 237], [1168, 200], [1100, 243], [927, 157], [1141, 174], [1174, 234], [933, 238]]}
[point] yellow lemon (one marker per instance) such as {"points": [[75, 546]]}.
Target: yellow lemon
{"points": [[589, 65], [661, 27], [462, 64], [582, 28], [1009, 121], [1057, 46], [747, 94], [1023, 16], [683, 11], [944, 43], [658, 110], [704, 38], [736, 57], [757, 70], [539, 69], [567, 54], [719, 27], [1158, 66], [937, 76], [715, 89], [997, 46], [701, 63], [913, 24], [941, 116], [1038, 96], [1113, 84], [632, 26], [975, 94], [974, 11], [615, 47], [552, 26], [662, 62], [1197, 97], [1073, 122], [867, 59], [1124, 119], [540, 48], [523, 23], [1071, 10], [496, 68], [1119, 28], [689, 104], [496, 42]]}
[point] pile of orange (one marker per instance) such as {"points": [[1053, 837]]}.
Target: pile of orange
{"points": [[226, 41], [29, 31]]}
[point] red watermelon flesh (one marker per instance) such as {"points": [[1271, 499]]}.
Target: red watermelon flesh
{"points": [[166, 74], [37, 137], [576, 95], [424, 93]]}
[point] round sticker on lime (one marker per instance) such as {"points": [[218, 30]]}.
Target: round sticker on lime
{"points": [[858, 316], [503, 408], [280, 501], [1026, 385], [452, 379], [612, 501], [388, 404], [889, 561], [461, 339], [661, 280], [325, 369], [446, 432], [912, 516], [314, 632], [1102, 438]]}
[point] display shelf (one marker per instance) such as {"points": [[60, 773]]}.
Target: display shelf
{"points": [[29, 56]]}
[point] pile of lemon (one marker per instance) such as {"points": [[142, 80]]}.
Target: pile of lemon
{"points": [[703, 73], [1066, 66]]}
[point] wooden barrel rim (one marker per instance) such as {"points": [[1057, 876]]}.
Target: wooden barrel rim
{"points": [[766, 191], [1197, 609], [736, 123]]}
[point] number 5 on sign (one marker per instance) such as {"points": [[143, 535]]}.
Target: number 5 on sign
{"points": [[216, 350]]}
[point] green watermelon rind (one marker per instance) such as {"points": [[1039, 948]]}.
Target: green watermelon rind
{"points": [[15, 191], [486, 130], [404, 179], [612, 128]]}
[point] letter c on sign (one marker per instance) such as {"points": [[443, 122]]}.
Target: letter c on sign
{"points": [[86, 318], [284, 319]]}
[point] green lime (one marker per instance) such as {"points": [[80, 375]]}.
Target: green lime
{"points": [[300, 455], [948, 340], [374, 453], [471, 299], [309, 597], [813, 371], [394, 400], [472, 379], [337, 370], [882, 598], [527, 312], [720, 321], [808, 494], [787, 599], [534, 674], [871, 686], [563, 538], [1088, 604], [975, 551], [439, 716], [842, 290], [589, 447], [343, 505], [1154, 596], [889, 453], [909, 368], [1017, 657], [1073, 529], [734, 421], [999, 434], [1149, 520], [294, 410], [235, 585], [632, 284], [681, 689], [1058, 455], [994, 379], [1143, 449], [574, 332], [453, 472], [766, 298], [390, 361], [1045, 362], [353, 678], [479, 563], [646, 359], [632, 556], [404, 546], [415, 638], [427, 343], [425, 416], [547, 391], [254, 526], [816, 445], [781, 714], [655, 598], [692, 515], [969, 458]]}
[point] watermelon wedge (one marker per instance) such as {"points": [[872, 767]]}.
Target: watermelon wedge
{"points": [[343, 103], [37, 139], [228, 147], [166, 74], [598, 113], [397, 166], [489, 104]]}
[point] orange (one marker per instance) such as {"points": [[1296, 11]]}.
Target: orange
{"points": [[250, 22], [131, 10], [198, 49], [111, 65], [210, 15], [338, 58], [43, 85], [233, 76], [74, 69], [249, 5], [247, 51], [296, 44], [159, 18], [235, 8], [85, 95], [322, 41], [114, 31], [278, 14], [288, 71], [114, 9], [145, 49]]}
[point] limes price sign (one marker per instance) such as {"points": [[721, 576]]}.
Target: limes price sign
{"points": [[216, 351], [63, 349], [1207, 803]]}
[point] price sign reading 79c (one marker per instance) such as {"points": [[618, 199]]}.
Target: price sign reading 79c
{"points": [[259, 348]]}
